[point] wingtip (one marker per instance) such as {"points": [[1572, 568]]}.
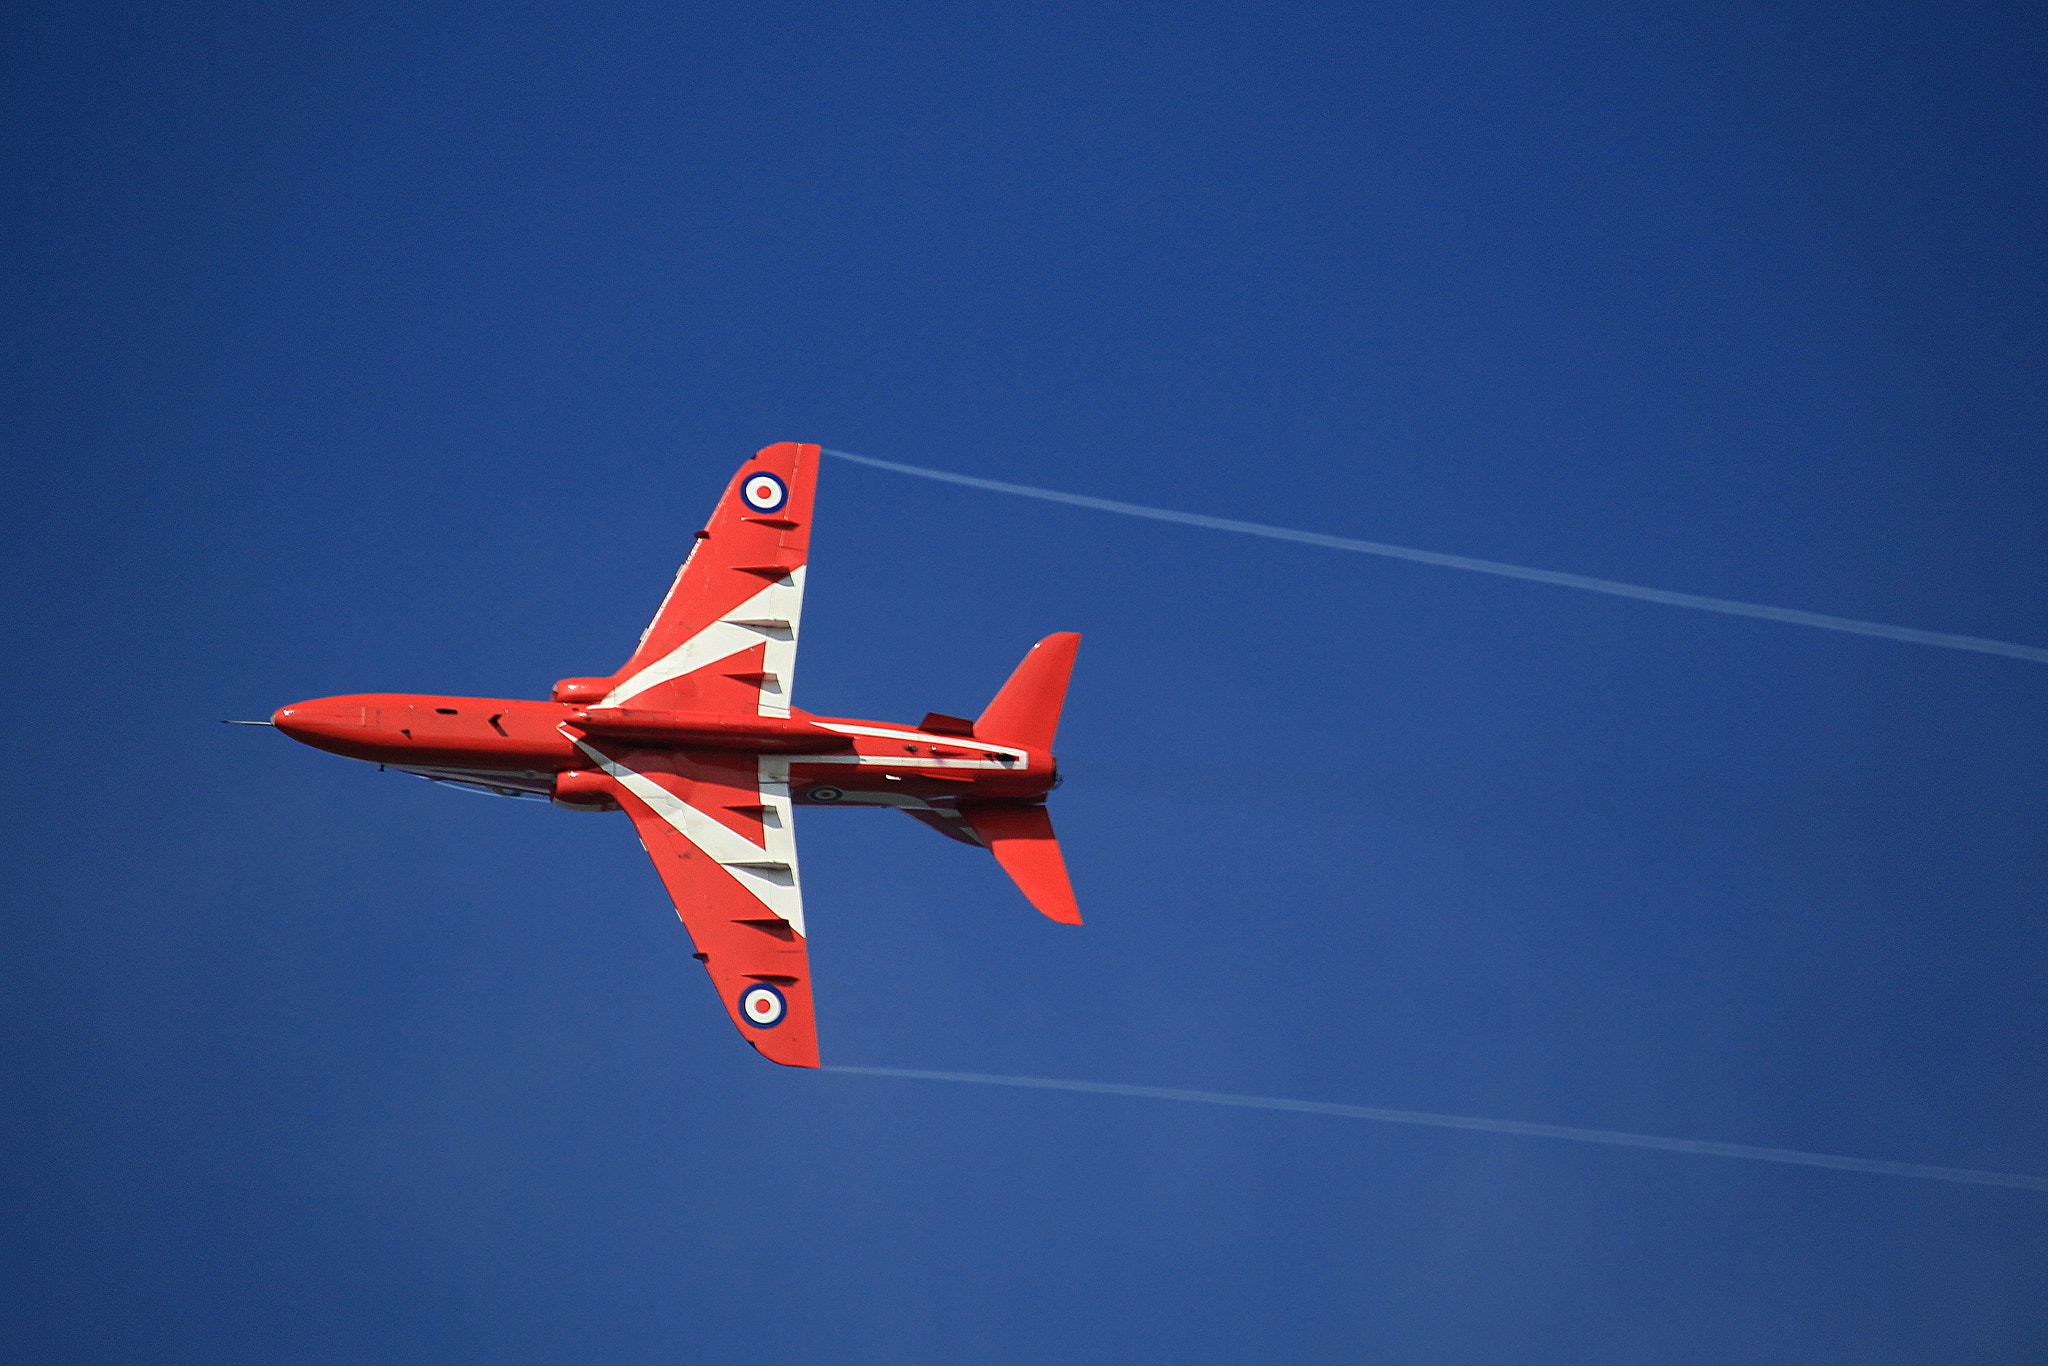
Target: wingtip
{"points": [[790, 1057]]}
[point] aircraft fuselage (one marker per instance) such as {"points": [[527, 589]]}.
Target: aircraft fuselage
{"points": [[533, 747]]}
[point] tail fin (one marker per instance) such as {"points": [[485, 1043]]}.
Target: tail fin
{"points": [[1021, 838], [1026, 712]]}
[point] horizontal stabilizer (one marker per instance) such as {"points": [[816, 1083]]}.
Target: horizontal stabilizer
{"points": [[946, 821], [1022, 840]]}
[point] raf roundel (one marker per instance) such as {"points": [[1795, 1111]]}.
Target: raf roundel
{"points": [[764, 492], [825, 794], [762, 1006]]}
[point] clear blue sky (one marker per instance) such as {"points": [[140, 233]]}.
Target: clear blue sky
{"points": [[402, 348]]}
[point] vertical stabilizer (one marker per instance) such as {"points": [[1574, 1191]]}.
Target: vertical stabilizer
{"points": [[1026, 713]]}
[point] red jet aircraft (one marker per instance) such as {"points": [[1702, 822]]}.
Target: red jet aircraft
{"points": [[695, 739]]}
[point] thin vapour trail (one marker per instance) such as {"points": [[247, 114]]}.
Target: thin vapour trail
{"points": [[1696, 1146], [1911, 635]]}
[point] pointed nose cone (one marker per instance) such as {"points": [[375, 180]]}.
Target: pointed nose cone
{"points": [[329, 723]]}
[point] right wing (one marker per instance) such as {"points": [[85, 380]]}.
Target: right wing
{"points": [[717, 825], [725, 637]]}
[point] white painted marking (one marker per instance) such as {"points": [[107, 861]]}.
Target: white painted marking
{"points": [[903, 761], [923, 737], [763, 1006], [776, 608], [769, 874], [764, 492]]}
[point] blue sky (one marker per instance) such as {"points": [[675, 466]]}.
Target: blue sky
{"points": [[401, 349]]}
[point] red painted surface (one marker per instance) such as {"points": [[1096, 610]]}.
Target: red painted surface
{"points": [[1027, 711], [691, 737], [1022, 840], [415, 731]]}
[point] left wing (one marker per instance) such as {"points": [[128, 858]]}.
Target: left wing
{"points": [[717, 825], [725, 636]]}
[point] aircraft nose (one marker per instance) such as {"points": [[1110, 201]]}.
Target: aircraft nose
{"points": [[324, 721]]}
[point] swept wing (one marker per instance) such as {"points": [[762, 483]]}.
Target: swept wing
{"points": [[717, 825], [725, 636]]}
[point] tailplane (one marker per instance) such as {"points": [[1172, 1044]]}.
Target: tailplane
{"points": [[1021, 838], [1024, 714]]}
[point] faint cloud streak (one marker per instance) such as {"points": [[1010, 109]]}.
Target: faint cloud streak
{"points": [[1519, 1128], [1613, 588]]}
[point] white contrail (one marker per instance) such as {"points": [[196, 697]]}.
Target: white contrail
{"points": [[1698, 1146], [1909, 634]]}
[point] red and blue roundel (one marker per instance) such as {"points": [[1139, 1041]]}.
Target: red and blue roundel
{"points": [[762, 1006], [764, 492]]}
